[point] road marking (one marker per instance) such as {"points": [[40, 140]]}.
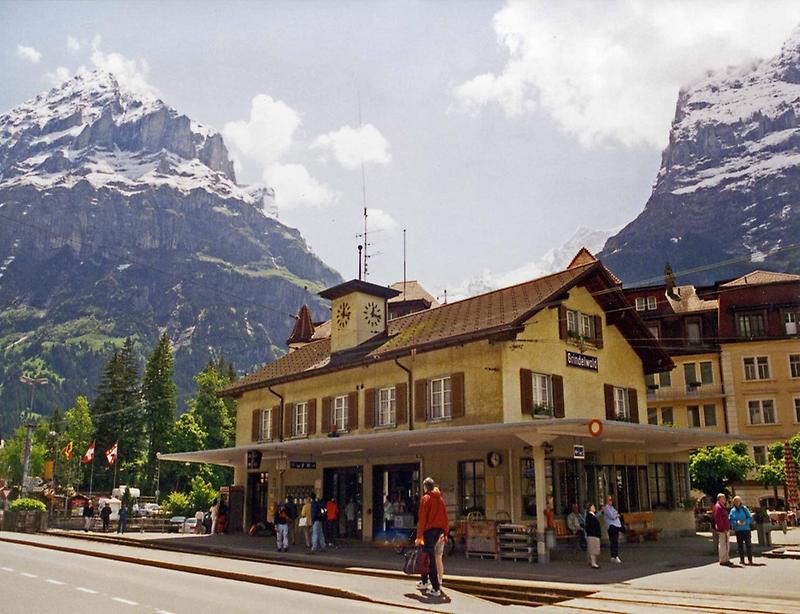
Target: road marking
{"points": [[6, 568], [163, 612], [85, 590], [51, 581], [125, 601], [28, 575]]}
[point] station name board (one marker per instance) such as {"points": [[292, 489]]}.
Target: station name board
{"points": [[302, 464], [582, 361]]}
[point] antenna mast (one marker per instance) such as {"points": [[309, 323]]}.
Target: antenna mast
{"points": [[404, 266]]}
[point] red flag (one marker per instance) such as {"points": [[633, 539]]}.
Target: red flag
{"points": [[89, 456], [111, 454], [68, 450]]}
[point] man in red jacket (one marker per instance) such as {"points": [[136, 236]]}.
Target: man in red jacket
{"points": [[722, 527], [432, 525]]}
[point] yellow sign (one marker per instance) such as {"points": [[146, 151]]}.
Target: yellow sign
{"points": [[48, 470]]}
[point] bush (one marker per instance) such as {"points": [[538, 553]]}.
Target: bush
{"points": [[178, 504], [27, 504]]}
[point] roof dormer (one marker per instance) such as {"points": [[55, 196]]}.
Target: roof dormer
{"points": [[358, 312]]}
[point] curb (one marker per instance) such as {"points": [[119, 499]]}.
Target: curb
{"points": [[292, 585]]}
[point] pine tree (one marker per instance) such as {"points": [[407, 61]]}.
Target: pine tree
{"points": [[160, 403]]}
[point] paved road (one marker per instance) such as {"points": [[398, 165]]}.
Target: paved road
{"points": [[46, 581]]}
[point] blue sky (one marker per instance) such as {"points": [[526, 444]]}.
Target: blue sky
{"points": [[492, 129]]}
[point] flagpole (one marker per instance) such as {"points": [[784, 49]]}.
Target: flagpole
{"points": [[116, 464], [91, 476]]}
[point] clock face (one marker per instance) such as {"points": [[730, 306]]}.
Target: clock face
{"points": [[343, 315], [494, 459], [373, 315]]}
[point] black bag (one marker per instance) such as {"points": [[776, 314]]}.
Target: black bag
{"points": [[416, 562]]}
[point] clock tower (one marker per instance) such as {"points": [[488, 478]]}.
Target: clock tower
{"points": [[358, 312]]}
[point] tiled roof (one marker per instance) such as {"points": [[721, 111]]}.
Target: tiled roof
{"points": [[303, 330], [482, 314], [690, 301], [413, 292], [757, 278]]}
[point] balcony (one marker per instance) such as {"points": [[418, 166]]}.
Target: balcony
{"points": [[690, 392]]}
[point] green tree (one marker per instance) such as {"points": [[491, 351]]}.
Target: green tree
{"points": [[187, 435], [712, 469], [202, 494], [214, 413], [160, 400], [12, 453], [80, 431], [178, 504]]}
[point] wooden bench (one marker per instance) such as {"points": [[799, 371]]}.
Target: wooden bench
{"points": [[639, 525], [562, 531]]}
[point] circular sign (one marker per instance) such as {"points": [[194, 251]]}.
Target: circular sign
{"points": [[494, 459], [595, 428]]}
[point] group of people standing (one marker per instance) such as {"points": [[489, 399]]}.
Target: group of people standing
{"points": [[738, 518], [587, 525], [105, 517]]}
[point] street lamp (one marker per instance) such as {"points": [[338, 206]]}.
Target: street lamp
{"points": [[29, 426]]}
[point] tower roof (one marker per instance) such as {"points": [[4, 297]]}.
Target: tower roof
{"points": [[303, 330]]}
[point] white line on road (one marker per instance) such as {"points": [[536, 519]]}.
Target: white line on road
{"points": [[163, 612], [51, 581], [85, 590], [125, 601], [28, 575], [6, 568]]}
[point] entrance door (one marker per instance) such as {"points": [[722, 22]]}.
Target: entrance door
{"points": [[401, 484], [257, 487], [344, 485]]}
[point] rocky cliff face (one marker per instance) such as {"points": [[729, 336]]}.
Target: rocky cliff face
{"points": [[119, 216], [727, 196]]}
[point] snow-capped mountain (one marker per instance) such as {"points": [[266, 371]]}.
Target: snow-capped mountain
{"points": [[728, 190], [554, 259], [120, 216]]}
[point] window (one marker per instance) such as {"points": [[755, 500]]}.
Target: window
{"points": [[693, 416], [621, 402], [646, 303], [641, 303], [572, 321], [761, 411], [710, 415], [693, 332], [760, 455], [797, 410], [794, 365], [387, 410], [441, 406], [542, 394], [756, 367], [300, 420], [660, 485], [650, 380], [706, 373], [666, 416], [750, 324], [653, 328], [580, 325], [665, 379], [587, 326], [651, 303], [265, 432], [690, 376], [340, 413], [652, 415], [471, 481], [682, 483], [790, 322]]}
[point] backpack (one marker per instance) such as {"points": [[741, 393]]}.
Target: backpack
{"points": [[282, 515]]}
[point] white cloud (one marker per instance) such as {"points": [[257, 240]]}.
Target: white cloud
{"points": [[379, 219], [353, 146], [73, 44], [268, 134], [29, 54], [614, 73], [294, 186], [130, 73], [58, 76]]}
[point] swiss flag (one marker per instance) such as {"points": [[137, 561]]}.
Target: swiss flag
{"points": [[89, 456], [111, 454]]}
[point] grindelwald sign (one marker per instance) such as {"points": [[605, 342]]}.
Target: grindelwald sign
{"points": [[582, 361]]}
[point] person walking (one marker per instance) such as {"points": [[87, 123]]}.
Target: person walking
{"points": [[591, 526], [198, 527], [350, 514], [123, 520], [331, 521], [432, 526], [318, 516], [291, 510], [281, 521], [741, 519], [722, 527], [306, 521], [614, 527], [105, 516], [88, 515]]}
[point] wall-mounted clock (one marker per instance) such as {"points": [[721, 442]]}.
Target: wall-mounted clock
{"points": [[493, 459], [373, 315], [343, 313]]}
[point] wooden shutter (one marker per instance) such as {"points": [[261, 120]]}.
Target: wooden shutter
{"points": [[370, 408], [312, 416], [598, 331], [288, 420], [256, 425], [421, 400], [401, 403], [562, 322], [325, 426], [352, 411], [558, 395], [611, 413], [633, 404], [276, 422], [526, 391], [457, 409]]}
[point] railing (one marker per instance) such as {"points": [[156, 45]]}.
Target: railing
{"points": [[687, 393]]}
